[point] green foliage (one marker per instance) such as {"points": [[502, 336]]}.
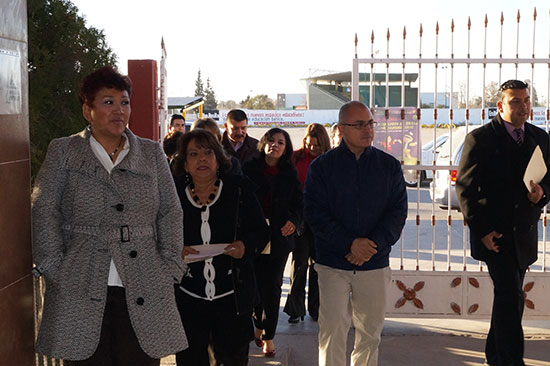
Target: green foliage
{"points": [[261, 101], [210, 102], [199, 86], [62, 50]]}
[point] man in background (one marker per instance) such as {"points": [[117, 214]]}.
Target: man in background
{"points": [[177, 123], [235, 140]]}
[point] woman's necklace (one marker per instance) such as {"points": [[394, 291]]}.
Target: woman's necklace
{"points": [[112, 155], [211, 196]]}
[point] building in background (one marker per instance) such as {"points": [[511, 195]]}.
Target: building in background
{"points": [[331, 91], [292, 101], [189, 107]]}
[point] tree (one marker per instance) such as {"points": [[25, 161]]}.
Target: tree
{"points": [[491, 94], [461, 95], [261, 101], [210, 101], [475, 102], [199, 86], [62, 50], [535, 97], [228, 104]]}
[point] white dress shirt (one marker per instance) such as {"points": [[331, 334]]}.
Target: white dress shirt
{"points": [[108, 164]]}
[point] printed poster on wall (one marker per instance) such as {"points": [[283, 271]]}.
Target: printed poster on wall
{"points": [[398, 136], [10, 82], [284, 118]]}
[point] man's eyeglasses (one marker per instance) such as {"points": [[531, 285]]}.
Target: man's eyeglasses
{"points": [[361, 124]]}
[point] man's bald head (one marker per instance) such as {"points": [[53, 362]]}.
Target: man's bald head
{"points": [[348, 107], [356, 126]]}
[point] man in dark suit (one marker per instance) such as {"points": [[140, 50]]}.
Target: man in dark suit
{"points": [[503, 213], [235, 140]]}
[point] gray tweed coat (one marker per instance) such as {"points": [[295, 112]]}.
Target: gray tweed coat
{"points": [[83, 217]]}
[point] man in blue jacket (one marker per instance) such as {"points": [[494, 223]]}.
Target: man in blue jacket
{"points": [[356, 203]]}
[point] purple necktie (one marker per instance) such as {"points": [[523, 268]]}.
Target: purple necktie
{"points": [[519, 136]]}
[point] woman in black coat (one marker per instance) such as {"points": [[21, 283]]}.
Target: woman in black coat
{"points": [[215, 296], [280, 195]]}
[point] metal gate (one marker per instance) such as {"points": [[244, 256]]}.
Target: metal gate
{"points": [[433, 275]]}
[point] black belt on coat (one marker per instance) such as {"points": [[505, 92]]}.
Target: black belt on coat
{"points": [[123, 233]]}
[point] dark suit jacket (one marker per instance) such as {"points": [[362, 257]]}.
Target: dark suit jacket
{"points": [[491, 192], [247, 151], [285, 201]]}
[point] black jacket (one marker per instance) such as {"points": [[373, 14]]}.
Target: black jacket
{"points": [[347, 198], [491, 192], [248, 150], [236, 199], [285, 200]]}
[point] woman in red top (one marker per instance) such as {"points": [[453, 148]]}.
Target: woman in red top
{"points": [[314, 143]]}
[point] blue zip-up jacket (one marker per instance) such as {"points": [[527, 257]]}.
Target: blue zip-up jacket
{"points": [[346, 198]]}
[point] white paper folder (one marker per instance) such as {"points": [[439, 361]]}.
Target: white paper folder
{"points": [[536, 169]]}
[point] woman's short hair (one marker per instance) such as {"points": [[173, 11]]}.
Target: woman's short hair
{"points": [[320, 133], [287, 154], [207, 124], [205, 140], [105, 77]]}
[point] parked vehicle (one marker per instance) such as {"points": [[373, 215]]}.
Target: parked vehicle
{"points": [[443, 183], [427, 158], [440, 189]]}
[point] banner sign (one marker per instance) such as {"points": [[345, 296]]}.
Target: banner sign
{"points": [[396, 136], [283, 118]]}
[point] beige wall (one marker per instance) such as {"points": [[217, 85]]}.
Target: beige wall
{"points": [[16, 301]]}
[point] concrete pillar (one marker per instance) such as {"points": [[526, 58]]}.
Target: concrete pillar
{"points": [[16, 293]]}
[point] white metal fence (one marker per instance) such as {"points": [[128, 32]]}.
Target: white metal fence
{"points": [[433, 251]]}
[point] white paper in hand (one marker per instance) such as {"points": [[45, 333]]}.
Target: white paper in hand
{"points": [[206, 251], [536, 169]]}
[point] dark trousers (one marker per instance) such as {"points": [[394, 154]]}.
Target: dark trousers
{"points": [[303, 259], [504, 345], [269, 270], [216, 324], [118, 344]]}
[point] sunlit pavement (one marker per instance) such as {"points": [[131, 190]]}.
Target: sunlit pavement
{"points": [[405, 341]]}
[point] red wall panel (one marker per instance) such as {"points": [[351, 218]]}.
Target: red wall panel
{"points": [[144, 120]]}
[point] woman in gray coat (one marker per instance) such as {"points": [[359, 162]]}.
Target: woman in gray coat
{"points": [[107, 237]]}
